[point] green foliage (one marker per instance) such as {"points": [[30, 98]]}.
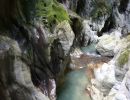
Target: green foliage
{"points": [[51, 11], [128, 38], [101, 8], [123, 58]]}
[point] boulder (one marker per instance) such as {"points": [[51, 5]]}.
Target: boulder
{"points": [[106, 45]]}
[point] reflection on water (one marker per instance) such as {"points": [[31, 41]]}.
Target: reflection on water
{"points": [[74, 86]]}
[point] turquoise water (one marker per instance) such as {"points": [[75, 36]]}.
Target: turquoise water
{"points": [[74, 86], [90, 48], [76, 81]]}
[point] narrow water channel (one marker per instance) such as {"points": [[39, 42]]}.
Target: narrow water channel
{"points": [[74, 86], [76, 81]]}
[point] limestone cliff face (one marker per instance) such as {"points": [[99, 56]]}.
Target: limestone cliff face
{"points": [[119, 17], [15, 73], [82, 7], [34, 48]]}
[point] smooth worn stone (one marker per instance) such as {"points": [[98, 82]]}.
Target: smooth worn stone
{"points": [[106, 45]]}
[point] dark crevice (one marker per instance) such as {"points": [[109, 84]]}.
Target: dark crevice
{"points": [[80, 6], [77, 28], [57, 55], [123, 6], [109, 24]]}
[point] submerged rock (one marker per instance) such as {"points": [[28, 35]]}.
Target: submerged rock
{"points": [[84, 60]]}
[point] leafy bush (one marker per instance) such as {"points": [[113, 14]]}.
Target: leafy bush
{"points": [[123, 58]]}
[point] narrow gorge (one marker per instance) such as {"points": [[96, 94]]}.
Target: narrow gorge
{"points": [[64, 49]]}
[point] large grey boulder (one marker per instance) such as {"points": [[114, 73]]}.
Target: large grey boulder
{"points": [[107, 44]]}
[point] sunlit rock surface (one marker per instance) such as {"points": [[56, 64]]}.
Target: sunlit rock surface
{"points": [[107, 44], [111, 80]]}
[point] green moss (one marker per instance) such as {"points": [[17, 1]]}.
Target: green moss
{"points": [[101, 8], [123, 58], [51, 11], [128, 38]]}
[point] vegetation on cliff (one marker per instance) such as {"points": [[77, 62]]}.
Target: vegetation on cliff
{"points": [[123, 58], [51, 12]]}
